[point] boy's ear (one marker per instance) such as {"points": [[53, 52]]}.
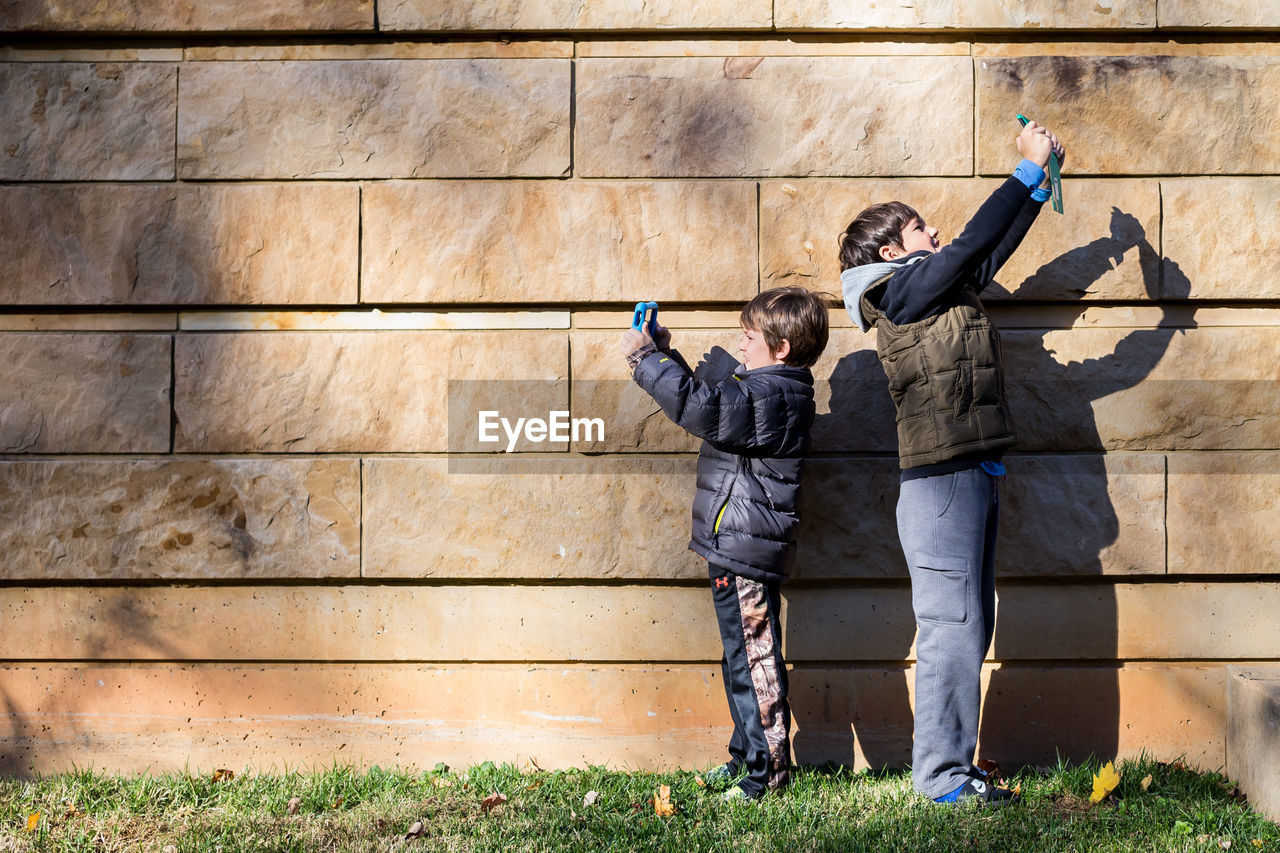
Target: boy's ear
{"points": [[783, 350], [890, 253]]}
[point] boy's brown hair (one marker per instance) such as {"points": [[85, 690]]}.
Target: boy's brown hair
{"points": [[793, 314], [877, 226]]}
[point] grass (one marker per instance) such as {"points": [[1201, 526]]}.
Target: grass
{"points": [[344, 809]]}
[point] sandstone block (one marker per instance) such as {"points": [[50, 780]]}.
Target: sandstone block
{"points": [[374, 119], [184, 16], [81, 121], [1132, 389], [1137, 621], [578, 517], [743, 116], [84, 393], [1083, 515], [1061, 516], [1224, 509], [1109, 250], [1218, 234], [1226, 14], [166, 717], [356, 392], [202, 244], [559, 241], [416, 15], [1176, 100], [1253, 735], [964, 15], [434, 623], [188, 519]]}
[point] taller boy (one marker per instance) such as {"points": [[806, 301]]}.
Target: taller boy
{"points": [[942, 357]]}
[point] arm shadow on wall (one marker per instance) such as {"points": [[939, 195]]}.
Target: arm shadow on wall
{"points": [[1058, 523]]}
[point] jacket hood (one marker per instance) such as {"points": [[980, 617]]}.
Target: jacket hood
{"points": [[856, 280]]}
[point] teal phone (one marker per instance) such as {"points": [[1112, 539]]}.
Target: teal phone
{"points": [[1055, 173]]}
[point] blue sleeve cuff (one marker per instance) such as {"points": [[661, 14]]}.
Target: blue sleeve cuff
{"points": [[1029, 174], [1040, 194]]}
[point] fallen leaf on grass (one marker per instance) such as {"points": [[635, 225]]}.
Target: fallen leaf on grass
{"points": [[222, 774], [1257, 842], [699, 781], [415, 831], [1146, 782], [295, 804], [33, 820], [339, 803], [1104, 782], [442, 783], [991, 769], [662, 805], [535, 784], [492, 801], [1224, 843], [590, 798], [170, 848]]}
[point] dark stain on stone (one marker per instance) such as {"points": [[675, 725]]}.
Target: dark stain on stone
{"points": [[79, 532], [117, 508], [185, 539]]}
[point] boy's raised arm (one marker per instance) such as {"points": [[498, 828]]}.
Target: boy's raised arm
{"points": [[723, 414]]}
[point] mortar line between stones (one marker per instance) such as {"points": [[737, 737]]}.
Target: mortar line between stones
{"points": [[1166, 515], [573, 112], [177, 97], [759, 237], [360, 477], [359, 243], [173, 388]]}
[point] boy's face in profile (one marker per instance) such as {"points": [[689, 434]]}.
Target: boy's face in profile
{"points": [[916, 237], [755, 351]]}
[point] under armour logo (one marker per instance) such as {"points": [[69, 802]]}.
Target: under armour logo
{"points": [[980, 787], [722, 581]]}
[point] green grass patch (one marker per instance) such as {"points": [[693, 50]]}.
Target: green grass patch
{"points": [[1157, 807]]}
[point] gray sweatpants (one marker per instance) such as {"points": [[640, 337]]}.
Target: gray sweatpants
{"points": [[947, 525]]}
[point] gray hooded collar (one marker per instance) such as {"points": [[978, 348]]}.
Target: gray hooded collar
{"points": [[856, 280]]}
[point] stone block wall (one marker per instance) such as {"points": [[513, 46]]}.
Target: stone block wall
{"points": [[257, 257]]}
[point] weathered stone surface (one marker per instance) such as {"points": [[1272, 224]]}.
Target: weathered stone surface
{"points": [[1226, 14], [1144, 389], [188, 519], [577, 518], [396, 623], [384, 50], [73, 121], [1253, 735], [1102, 622], [195, 717], [369, 320], [137, 245], [464, 15], [84, 393], [354, 392], [1108, 249], [374, 119], [1220, 233], [1185, 115], [713, 46], [1061, 516], [114, 322], [558, 241], [741, 116], [965, 15], [184, 15], [1224, 510]]}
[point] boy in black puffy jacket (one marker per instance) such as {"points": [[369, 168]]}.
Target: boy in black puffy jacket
{"points": [[755, 429]]}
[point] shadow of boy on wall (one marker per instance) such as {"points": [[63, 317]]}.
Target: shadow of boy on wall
{"points": [[1058, 521]]}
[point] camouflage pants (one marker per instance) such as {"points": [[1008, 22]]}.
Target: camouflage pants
{"points": [[755, 679]]}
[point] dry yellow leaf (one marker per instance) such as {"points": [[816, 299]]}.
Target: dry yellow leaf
{"points": [[662, 805], [33, 820], [699, 781], [222, 774], [1104, 782], [1146, 782]]}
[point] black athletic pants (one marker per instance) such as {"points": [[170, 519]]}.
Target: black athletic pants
{"points": [[755, 679]]}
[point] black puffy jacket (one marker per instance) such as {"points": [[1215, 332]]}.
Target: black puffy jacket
{"points": [[755, 430]]}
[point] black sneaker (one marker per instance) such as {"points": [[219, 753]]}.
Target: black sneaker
{"points": [[982, 791]]}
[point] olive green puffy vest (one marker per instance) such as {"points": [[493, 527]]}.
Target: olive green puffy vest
{"points": [[946, 381]]}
